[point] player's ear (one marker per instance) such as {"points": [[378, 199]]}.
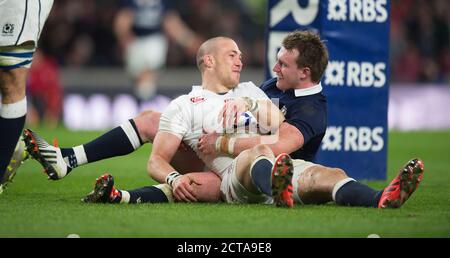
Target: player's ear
{"points": [[208, 60], [304, 72]]}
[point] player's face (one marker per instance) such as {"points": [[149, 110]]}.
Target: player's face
{"points": [[228, 63], [286, 69]]}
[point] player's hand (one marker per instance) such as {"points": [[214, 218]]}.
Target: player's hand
{"points": [[183, 190], [231, 111], [207, 143]]}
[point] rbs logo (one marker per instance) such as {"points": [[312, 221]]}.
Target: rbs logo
{"points": [[358, 139], [357, 10], [362, 74]]}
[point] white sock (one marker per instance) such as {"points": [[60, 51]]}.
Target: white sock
{"points": [[340, 184], [14, 110], [132, 135], [80, 154], [125, 196], [167, 190]]}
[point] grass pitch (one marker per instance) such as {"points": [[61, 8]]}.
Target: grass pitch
{"points": [[35, 207]]}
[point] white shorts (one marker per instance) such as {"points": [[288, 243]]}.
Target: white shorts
{"points": [[232, 191], [22, 20], [21, 24], [146, 53], [300, 166]]}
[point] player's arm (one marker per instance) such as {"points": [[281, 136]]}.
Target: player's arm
{"points": [[123, 24], [173, 125], [164, 148], [178, 31], [268, 115], [287, 140]]}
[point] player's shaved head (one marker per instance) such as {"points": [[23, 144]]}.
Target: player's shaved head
{"points": [[209, 47]]}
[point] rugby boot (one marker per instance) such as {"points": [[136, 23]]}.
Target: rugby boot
{"points": [[402, 187], [281, 181], [19, 156], [104, 191], [48, 156]]}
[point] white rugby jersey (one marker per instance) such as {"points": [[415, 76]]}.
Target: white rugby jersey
{"points": [[188, 115]]}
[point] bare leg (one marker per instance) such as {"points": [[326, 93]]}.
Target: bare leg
{"points": [[147, 123], [12, 114], [317, 182], [12, 85]]}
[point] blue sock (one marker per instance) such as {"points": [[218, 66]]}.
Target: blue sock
{"points": [[261, 174], [356, 194], [70, 155], [11, 129], [120, 141], [148, 194]]}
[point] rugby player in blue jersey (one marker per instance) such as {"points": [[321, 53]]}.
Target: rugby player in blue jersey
{"points": [[141, 27]]}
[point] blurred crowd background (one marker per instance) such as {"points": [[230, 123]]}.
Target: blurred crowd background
{"points": [[420, 41], [81, 35]]}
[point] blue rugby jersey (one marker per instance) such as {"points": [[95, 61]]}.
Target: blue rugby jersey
{"points": [[148, 15], [307, 113]]}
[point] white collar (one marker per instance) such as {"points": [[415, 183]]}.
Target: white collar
{"points": [[308, 91]]}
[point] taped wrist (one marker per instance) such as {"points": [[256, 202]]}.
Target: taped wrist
{"points": [[225, 144], [171, 177]]}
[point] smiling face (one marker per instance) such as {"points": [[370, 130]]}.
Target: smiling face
{"points": [[227, 64], [288, 73]]}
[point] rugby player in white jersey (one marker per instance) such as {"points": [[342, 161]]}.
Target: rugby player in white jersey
{"points": [[188, 116], [21, 23], [186, 119]]}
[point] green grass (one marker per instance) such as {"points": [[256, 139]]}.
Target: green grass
{"points": [[35, 207]]}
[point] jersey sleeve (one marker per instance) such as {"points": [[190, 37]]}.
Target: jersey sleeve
{"points": [[175, 119], [254, 91]]}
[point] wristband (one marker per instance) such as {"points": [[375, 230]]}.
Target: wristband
{"points": [[231, 143], [171, 177], [225, 144], [218, 141]]}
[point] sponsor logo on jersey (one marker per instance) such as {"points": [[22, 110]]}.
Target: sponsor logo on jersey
{"points": [[196, 100], [8, 29]]}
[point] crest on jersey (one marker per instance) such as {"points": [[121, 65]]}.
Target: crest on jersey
{"points": [[8, 29], [196, 100]]}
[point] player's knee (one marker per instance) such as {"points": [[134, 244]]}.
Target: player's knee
{"points": [[261, 150], [147, 123], [12, 84], [339, 173], [206, 186]]}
